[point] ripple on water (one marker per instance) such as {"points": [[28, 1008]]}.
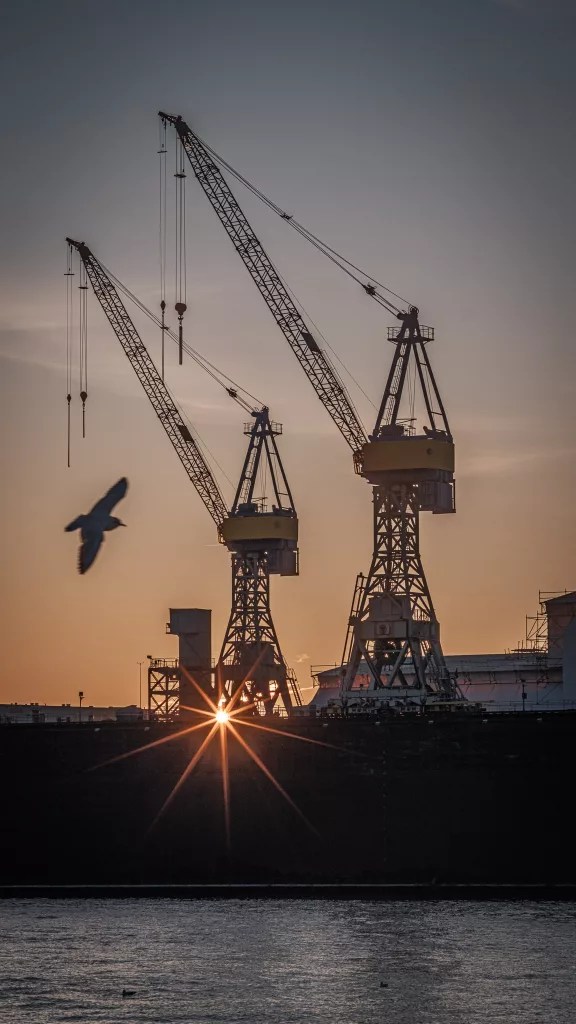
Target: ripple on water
{"points": [[293, 962]]}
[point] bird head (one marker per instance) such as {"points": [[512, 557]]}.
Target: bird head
{"points": [[118, 522]]}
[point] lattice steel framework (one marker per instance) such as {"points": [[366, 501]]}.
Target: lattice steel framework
{"points": [[251, 659], [164, 406], [262, 445], [393, 622], [257, 547], [320, 372], [428, 485], [411, 339], [393, 625], [164, 689]]}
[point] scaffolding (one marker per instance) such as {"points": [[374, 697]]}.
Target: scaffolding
{"points": [[163, 689], [535, 641]]}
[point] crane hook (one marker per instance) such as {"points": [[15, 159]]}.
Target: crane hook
{"points": [[83, 397], [180, 308], [162, 330]]}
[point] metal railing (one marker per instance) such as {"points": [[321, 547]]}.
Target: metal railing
{"points": [[426, 333]]}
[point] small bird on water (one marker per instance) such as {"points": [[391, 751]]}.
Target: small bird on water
{"points": [[93, 525]]}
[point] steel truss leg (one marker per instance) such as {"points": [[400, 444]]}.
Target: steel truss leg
{"points": [[251, 659], [393, 619]]}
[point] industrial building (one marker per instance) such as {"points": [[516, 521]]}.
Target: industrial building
{"points": [[540, 675], [67, 714]]}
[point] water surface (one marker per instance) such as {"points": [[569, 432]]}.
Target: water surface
{"points": [[291, 962]]}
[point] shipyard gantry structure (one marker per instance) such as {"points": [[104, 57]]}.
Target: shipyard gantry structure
{"points": [[262, 540], [392, 620]]}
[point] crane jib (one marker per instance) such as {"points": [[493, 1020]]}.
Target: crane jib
{"points": [[160, 398], [314, 362]]}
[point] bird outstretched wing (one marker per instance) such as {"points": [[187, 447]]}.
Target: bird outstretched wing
{"points": [[111, 498], [76, 524], [91, 541]]}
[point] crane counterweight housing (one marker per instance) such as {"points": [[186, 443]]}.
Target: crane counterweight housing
{"points": [[421, 460], [275, 534]]}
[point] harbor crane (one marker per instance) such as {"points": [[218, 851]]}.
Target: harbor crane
{"points": [[262, 541], [393, 626]]}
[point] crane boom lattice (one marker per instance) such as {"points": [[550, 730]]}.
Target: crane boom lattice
{"points": [[261, 543], [392, 623], [313, 360], [160, 398]]}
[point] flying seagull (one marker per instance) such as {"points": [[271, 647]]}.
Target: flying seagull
{"points": [[93, 525]]}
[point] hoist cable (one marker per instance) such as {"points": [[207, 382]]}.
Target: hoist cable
{"points": [[183, 212], [332, 254], [69, 274], [176, 220], [83, 319], [162, 153], [208, 453], [162, 209], [81, 333], [323, 247], [333, 351], [180, 238], [217, 375], [297, 302]]}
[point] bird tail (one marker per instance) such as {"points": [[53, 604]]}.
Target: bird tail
{"points": [[76, 524]]}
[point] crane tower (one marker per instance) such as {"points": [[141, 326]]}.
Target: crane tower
{"points": [[262, 541], [393, 623], [392, 626]]}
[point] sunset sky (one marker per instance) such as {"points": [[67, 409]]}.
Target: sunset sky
{"points": [[431, 141]]}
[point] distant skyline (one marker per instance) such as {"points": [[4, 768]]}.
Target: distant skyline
{"points": [[433, 145]]}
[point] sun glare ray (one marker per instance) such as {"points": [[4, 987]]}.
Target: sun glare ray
{"points": [[222, 717], [225, 782], [197, 711], [235, 713], [257, 760], [292, 735], [243, 710], [219, 687], [148, 746], [188, 769], [203, 694], [248, 675]]}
